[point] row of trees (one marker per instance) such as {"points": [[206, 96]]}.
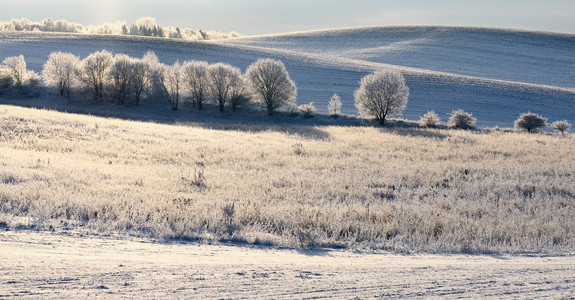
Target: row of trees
{"points": [[122, 79], [145, 26]]}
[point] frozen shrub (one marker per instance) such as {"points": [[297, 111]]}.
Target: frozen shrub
{"points": [[429, 120], [271, 85], [381, 93], [460, 119], [307, 110], [561, 126], [530, 122], [334, 106]]}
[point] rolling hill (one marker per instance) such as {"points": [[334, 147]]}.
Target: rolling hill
{"points": [[494, 73]]}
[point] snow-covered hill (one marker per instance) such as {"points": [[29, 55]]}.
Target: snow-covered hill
{"points": [[494, 74]]}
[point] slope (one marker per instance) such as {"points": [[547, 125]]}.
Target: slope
{"points": [[320, 70]]}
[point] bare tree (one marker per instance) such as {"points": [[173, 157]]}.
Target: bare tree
{"points": [[224, 83], [121, 77], [93, 73], [271, 85], [59, 71], [239, 91], [381, 93], [196, 79], [170, 78], [141, 75]]}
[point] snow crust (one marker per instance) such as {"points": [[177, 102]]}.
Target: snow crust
{"points": [[55, 266]]}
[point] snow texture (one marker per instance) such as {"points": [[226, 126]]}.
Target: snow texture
{"points": [[64, 266]]}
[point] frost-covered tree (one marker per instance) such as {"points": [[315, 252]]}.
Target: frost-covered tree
{"points": [[460, 119], [561, 126], [5, 80], [121, 78], [16, 77], [93, 73], [381, 93], [60, 70], [170, 79], [141, 75], [153, 87], [239, 92], [196, 79], [225, 82], [16, 66], [271, 85], [530, 122], [334, 106]]}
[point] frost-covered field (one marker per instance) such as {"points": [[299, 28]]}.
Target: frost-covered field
{"points": [[495, 74], [402, 189], [262, 184]]}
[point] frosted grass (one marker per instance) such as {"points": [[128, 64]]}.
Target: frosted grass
{"points": [[402, 189]]}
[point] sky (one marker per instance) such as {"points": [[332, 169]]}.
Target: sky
{"points": [[250, 17]]}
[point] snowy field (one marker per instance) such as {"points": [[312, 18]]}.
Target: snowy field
{"points": [[494, 74], [63, 266]]}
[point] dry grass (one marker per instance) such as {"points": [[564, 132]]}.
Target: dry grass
{"points": [[401, 189]]}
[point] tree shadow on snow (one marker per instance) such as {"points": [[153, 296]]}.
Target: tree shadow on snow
{"points": [[246, 119]]}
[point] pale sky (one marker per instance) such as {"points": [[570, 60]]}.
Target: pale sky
{"points": [[260, 16]]}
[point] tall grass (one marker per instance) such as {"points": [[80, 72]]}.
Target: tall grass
{"points": [[405, 189]]}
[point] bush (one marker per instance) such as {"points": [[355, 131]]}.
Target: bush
{"points": [[530, 122], [429, 120], [381, 93], [334, 106], [307, 110], [561, 126], [460, 119]]}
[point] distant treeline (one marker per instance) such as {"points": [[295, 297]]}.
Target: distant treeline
{"points": [[145, 26]]}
